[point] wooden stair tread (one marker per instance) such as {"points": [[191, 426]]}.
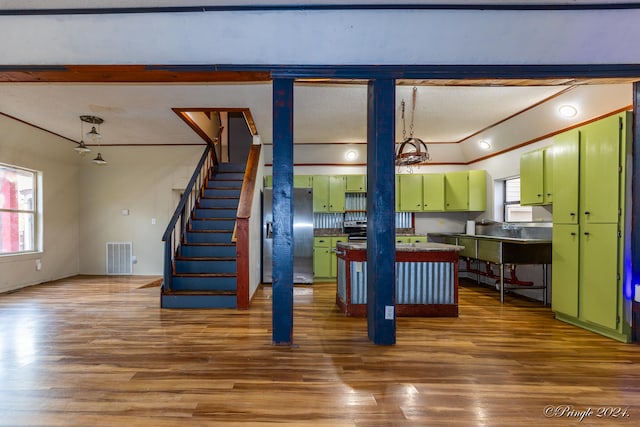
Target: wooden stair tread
{"points": [[194, 258], [199, 292], [209, 244], [204, 274]]}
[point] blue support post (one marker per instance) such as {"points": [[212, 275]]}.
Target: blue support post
{"points": [[381, 249], [282, 300]]}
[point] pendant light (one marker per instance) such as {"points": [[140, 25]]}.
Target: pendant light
{"points": [[411, 150], [81, 148], [95, 136]]}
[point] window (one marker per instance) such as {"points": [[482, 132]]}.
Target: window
{"points": [[513, 212], [18, 210]]}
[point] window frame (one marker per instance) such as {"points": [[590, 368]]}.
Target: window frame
{"points": [[510, 203], [34, 211]]}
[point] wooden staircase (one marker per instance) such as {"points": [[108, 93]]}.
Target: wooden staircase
{"points": [[205, 268]]}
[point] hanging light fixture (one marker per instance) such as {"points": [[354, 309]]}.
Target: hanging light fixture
{"points": [[81, 148], [95, 135], [411, 150]]}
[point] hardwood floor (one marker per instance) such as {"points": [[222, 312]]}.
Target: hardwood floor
{"points": [[99, 351]]}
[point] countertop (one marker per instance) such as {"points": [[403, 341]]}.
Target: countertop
{"points": [[518, 240], [407, 247]]}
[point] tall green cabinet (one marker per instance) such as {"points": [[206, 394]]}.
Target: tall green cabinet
{"points": [[588, 225]]}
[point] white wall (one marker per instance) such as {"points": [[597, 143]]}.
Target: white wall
{"points": [[28, 147], [144, 180], [255, 232]]}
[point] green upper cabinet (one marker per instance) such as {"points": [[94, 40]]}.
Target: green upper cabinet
{"points": [[566, 177], [356, 183], [410, 192], [328, 193], [477, 190], [465, 190], [397, 193], [299, 181], [600, 170], [532, 178], [456, 193], [433, 192], [547, 182]]}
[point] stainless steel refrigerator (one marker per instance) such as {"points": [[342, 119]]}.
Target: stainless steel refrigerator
{"points": [[302, 235]]}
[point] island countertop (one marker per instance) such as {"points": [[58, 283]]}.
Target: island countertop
{"points": [[406, 247]]}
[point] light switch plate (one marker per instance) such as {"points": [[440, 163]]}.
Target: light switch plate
{"points": [[388, 312]]}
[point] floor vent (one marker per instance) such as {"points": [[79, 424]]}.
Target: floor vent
{"points": [[119, 258]]}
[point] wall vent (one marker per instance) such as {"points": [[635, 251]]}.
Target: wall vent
{"points": [[119, 258]]}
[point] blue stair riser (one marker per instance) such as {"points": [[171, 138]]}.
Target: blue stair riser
{"points": [[198, 301], [203, 283], [214, 213], [231, 167], [224, 184], [213, 224], [215, 192], [202, 266], [207, 251], [219, 203], [204, 237], [223, 175]]}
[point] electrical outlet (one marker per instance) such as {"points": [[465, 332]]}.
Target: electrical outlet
{"points": [[388, 312], [38, 265], [153, 221]]}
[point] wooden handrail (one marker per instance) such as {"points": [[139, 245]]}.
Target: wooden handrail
{"points": [[241, 231]]}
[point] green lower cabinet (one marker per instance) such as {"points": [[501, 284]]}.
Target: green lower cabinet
{"points": [[411, 239], [325, 261], [564, 274], [599, 282]]}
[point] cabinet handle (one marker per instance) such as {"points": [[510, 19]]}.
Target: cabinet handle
{"points": [[572, 213], [539, 195], [548, 194], [586, 233], [573, 233], [587, 213]]}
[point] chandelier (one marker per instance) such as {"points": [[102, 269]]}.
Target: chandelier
{"points": [[412, 150]]}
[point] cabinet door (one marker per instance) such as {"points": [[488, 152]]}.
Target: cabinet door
{"points": [[302, 181], [477, 190], [456, 191], [337, 187], [321, 193], [417, 239], [410, 192], [321, 257], [566, 175], [531, 178], [356, 183], [599, 274], [564, 274], [403, 239], [334, 258], [547, 182], [268, 181], [397, 193], [600, 171], [433, 192]]}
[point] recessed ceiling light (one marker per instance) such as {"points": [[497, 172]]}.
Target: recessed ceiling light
{"points": [[351, 155], [484, 144], [567, 111]]}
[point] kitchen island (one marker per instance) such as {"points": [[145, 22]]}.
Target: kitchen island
{"points": [[426, 279]]}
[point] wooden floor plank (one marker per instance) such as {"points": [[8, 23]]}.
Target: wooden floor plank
{"points": [[93, 350]]}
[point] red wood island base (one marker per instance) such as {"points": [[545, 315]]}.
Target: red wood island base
{"points": [[426, 279]]}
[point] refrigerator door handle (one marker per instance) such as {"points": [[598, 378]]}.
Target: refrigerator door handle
{"points": [[269, 230]]}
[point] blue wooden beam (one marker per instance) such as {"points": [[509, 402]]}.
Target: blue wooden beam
{"points": [[381, 249], [282, 300]]}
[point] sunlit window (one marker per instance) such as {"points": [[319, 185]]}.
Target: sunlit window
{"points": [[513, 212], [18, 210]]}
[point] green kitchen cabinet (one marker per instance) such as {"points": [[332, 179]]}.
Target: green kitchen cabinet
{"points": [[299, 181], [417, 239], [532, 178], [433, 192], [599, 284], [302, 181], [600, 170], [566, 177], [328, 193], [397, 193], [547, 184], [477, 190], [334, 258], [322, 257], [465, 190], [565, 271], [410, 193], [456, 193], [356, 184]]}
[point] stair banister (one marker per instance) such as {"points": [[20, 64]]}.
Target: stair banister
{"points": [[173, 234]]}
